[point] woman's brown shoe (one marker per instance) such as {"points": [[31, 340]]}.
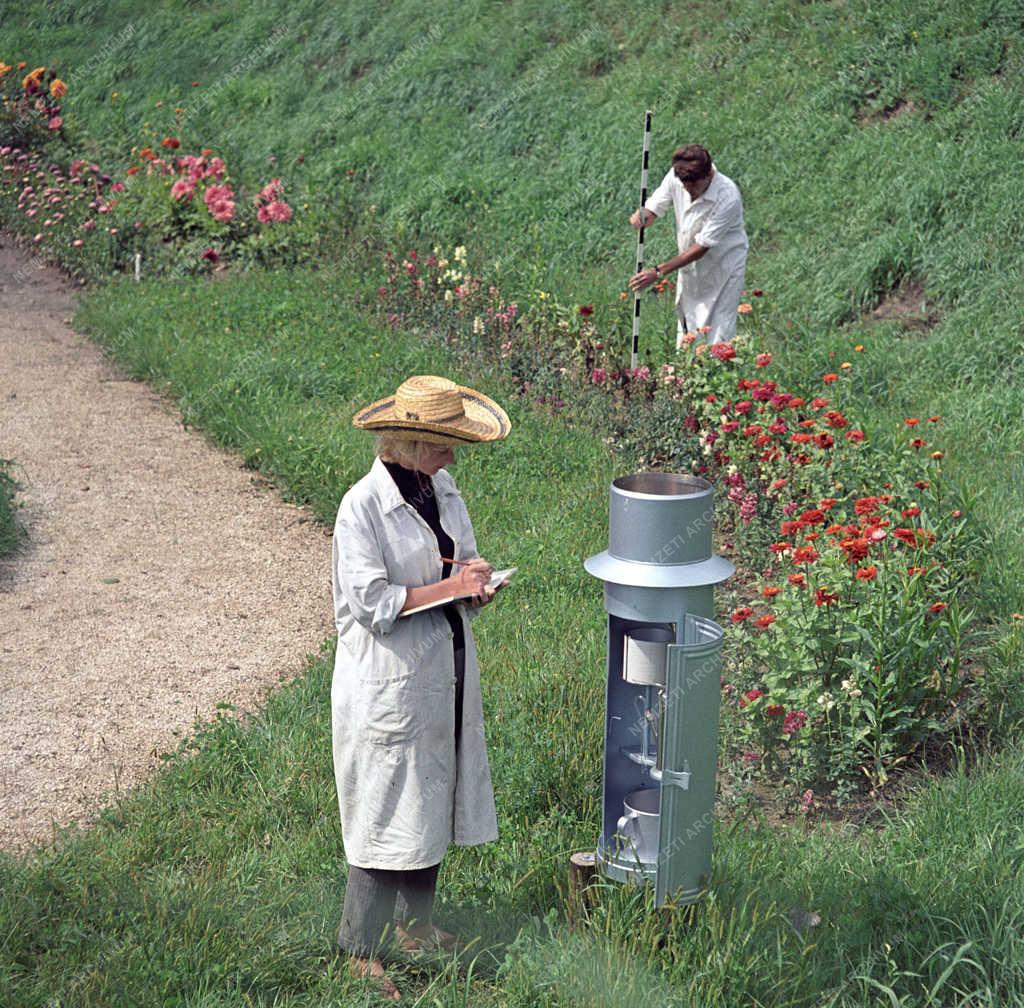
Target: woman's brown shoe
{"points": [[428, 939], [373, 970]]}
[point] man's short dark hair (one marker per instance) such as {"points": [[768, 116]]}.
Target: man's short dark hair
{"points": [[693, 162]]}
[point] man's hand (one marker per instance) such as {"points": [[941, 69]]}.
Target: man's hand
{"points": [[642, 218], [642, 280]]}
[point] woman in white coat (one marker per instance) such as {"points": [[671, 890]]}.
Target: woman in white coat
{"points": [[409, 756]]}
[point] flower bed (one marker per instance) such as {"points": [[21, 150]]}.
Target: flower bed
{"points": [[850, 650], [180, 211]]}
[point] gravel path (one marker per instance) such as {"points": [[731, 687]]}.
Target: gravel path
{"points": [[161, 579]]}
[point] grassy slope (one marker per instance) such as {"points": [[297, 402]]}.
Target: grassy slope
{"points": [[517, 126], [514, 126]]}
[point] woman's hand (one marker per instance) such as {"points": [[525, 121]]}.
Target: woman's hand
{"points": [[473, 578], [476, 602]]}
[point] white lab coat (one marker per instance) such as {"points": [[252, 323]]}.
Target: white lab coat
{"points": [[403, 794], [708, 290]]}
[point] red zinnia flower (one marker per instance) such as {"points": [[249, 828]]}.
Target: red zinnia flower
{"points": [[829, 378], [866, 573], [805, 554], [856, 548], [813, 516], [754, 694], [173, 143], [937, 607], [911, 421], [774, 710], [586, 310], [739, 615], [770, 591], [905, 535], [797, 580], [765, 621], [854, 435], [911, 512], [824, 597]]}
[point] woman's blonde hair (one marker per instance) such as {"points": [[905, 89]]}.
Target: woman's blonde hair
{"points": [[405, 451]]}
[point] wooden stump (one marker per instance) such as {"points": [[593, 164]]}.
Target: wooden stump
{"points": [[582, 867]]}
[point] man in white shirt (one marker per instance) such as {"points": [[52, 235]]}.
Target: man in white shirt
{"points": [[712, 244]]}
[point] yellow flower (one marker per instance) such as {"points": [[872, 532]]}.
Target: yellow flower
{"points": [[58, 88], [4, 68], [113, 95], [846, 365], [859, 348]]}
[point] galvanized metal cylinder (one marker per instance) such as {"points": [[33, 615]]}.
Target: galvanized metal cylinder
{"points": [[659, 572]]}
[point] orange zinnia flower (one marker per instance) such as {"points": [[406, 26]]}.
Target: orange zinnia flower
{"points": [[33, 79], [866, 573], [58, 88]]}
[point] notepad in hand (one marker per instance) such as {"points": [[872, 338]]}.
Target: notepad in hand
{"points": [[497, 577]]}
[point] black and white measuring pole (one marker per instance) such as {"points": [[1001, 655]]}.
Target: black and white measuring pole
{"points": [[635, 355]]}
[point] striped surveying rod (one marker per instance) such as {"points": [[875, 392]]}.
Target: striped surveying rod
{"points": [[634, 356]]}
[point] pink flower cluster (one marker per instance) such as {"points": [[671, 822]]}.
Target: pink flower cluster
{"points": [[270, 205], [220, 201]]}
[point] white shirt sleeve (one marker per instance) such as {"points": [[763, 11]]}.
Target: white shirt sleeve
{"points": [[661, 199], [726, 217]]}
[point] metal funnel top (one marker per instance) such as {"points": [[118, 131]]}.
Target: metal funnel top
{"points": [[659, 533]]}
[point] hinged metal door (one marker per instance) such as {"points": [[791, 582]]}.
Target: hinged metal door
{"points": [[688, 759]]}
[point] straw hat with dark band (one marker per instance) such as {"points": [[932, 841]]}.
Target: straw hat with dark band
{"points": [[428, 408]]}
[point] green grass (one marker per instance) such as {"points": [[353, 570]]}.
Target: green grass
{"points": [[221, 883], [876, 146], [11, 532], [514, 128]]}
